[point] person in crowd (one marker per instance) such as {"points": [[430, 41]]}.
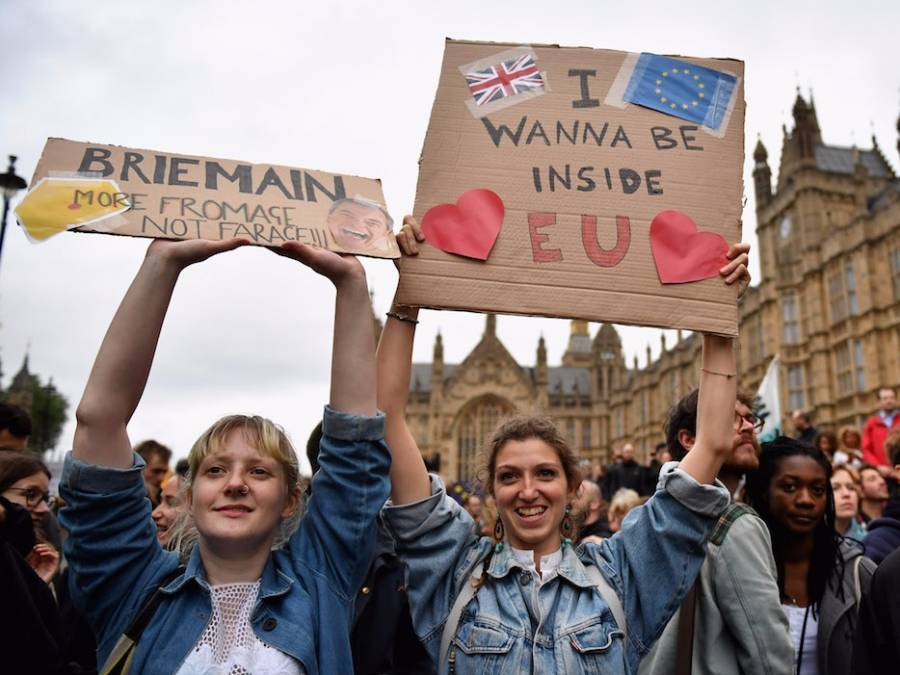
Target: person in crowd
{"points": [[735, 617], [526, 599], [472, 504], [627, 474], [25, 480], [169, 509], [258, 593], [156, 458], [877, 427], [31, 631], [591, 511], [874, 493], [623, 501], [15, 427], [883, 535], [849, 447], [846, 484], [805, 431], [891, 446], [661, 455], [382, 639], [821, 576], [876, 646], [606, 480], [826, 442]]}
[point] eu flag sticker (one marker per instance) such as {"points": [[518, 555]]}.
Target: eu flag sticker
{"points": [[690, 92]]}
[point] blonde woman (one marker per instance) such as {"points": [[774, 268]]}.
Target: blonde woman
{"points": [[239, 606]]}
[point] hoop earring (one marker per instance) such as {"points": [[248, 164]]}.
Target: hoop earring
{"points": [[498, 535], [567, 527]]}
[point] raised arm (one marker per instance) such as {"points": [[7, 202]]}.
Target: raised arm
{"points": [[353, 352], [120, 371], [718, 389], [409, 478]]}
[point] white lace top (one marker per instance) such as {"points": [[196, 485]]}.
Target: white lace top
{"points": [[228, 645]]}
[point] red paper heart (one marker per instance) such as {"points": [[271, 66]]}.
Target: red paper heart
{"points": [[469, 227], [681, 252]]}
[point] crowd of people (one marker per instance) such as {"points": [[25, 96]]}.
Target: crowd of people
{"points": [[721, 555]]}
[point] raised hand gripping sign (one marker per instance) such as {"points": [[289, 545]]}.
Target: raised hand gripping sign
{"points": [[580, 183]]}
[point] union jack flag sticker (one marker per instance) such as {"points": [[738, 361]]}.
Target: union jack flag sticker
{"points": [[503, 79]]}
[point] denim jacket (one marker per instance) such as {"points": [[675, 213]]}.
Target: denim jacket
{"points": [[651, 564], [307, 588]]}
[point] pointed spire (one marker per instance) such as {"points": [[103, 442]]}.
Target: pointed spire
{"points": [[542, 351], [648, 354], [662, 342], [678, 336], [760, 154], [490, 325], [635, 362]]}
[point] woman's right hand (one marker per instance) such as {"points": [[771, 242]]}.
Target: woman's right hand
{"points": [[44, 560], [409, 236]]}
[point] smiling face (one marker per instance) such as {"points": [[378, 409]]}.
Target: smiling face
{"points": [[357, 227], [239, 497], [798, 494], [169, 506], [31, 489], [531, 490], [846, 496]]}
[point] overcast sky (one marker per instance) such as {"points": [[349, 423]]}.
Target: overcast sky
{"points": [[347, 87]]}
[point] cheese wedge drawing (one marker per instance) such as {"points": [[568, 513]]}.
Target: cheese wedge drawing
{"points": [[55, 205]]}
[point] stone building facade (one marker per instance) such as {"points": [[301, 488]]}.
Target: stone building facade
{"points": [[827, 305]]}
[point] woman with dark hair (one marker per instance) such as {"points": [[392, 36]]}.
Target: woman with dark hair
{"points": [[25, 480], [827, 442], [820, 575]]}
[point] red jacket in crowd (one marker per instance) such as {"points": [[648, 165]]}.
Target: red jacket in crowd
{"points": [[874, 434]]}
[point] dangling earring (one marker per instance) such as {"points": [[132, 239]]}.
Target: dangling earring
{"points": [[567, 527], [498, 535]]}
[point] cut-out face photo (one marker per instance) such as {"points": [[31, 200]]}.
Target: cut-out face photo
{"points": [[361, 226]]}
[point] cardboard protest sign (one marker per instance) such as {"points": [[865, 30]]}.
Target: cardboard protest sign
{"points": [[581, 183], [143, 193]]}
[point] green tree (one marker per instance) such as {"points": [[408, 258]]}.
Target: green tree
{"points": [[49, 412]]}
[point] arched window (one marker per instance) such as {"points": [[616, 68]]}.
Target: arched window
{"points": [[476, 424]]}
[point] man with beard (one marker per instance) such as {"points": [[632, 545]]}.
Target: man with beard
{"points": [[733, 620]]}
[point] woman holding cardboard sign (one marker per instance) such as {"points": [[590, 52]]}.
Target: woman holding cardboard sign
{"points": [[240, 605], [526, 600]]}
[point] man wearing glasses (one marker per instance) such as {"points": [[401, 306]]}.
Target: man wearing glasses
{"points": [[734, 623]]}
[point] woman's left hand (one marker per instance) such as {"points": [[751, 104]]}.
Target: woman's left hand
{"points": [[44, 560], [338, 267], [736, 271]]}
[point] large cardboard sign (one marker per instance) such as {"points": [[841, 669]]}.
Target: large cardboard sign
{"points": [[581, 183], [145, 193]]}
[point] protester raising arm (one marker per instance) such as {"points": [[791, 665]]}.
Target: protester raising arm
{"points": [[120, 371], [409, 478], [718, 389]]}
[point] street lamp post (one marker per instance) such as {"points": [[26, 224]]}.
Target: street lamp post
{"points": [[10, 183]]}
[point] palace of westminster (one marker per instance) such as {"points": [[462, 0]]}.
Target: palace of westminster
{"points": [[828, 306]]}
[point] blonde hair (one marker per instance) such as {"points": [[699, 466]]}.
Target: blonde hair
{"points": [[622, 502], [270, 440]]}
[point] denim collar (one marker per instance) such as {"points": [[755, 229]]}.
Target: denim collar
{"points": [[273, 582], [570, 567]]}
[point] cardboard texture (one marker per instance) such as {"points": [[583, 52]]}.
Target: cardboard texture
{"points": [[580, 183], [143, 193]]}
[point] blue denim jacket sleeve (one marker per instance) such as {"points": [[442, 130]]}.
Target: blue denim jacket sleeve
{"points": [[112, 551], [337, 536], [437, 541], [656, 556]]}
